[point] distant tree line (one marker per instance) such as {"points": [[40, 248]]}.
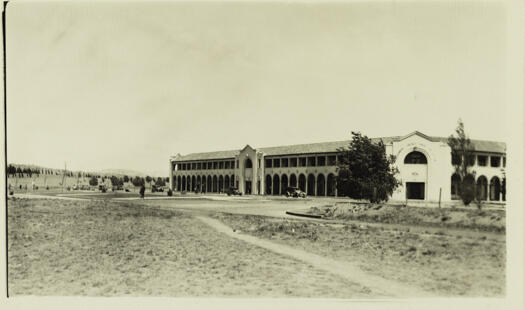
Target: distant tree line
{"points": [[21, 172]]}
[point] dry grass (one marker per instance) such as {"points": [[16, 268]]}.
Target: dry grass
{"points": [[448, 265], [484, 220], [100, 248]]}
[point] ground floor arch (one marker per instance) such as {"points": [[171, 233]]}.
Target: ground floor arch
{"points": [[209, 184], [320, 185], [227, 182], [455, 186], [214, 184], [330, 185], [268, 185], [302, 182], [495, 189], [310, 188], [203, 185], [293, 180], [481, 188], [275, 187], [284, 183]]}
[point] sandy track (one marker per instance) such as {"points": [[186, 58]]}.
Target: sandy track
{"points": [[378, 285]]}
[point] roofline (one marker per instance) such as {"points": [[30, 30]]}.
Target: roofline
{"points": [[391, 138]]}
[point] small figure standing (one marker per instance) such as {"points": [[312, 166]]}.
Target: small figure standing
{"points": [[142, 190]]}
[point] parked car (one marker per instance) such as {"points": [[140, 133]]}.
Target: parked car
{"points": [[233, 191], [295, 192]]}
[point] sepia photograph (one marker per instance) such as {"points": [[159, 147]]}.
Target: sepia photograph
{"points": [[261, 150]]}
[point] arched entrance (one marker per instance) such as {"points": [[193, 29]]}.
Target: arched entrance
{"points": [[209, 185], [284, 183], [179, 183], [248, 176], [198, 184], [495, 189], [227, 182], [193, 183], [214, 184], [203, 186], [481, 188], [183, 183], [268, 184], [416, 169], [320, 185], [293, 180], [221, 184], [455, 186], [302, 182], [330, 186], [275, 187]]}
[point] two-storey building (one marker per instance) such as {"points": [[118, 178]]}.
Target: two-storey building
{"points": [[425, 169]]}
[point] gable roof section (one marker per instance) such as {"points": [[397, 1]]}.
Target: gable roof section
{"points": [[332, 147]]}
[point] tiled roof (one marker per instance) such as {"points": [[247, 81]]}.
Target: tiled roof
{"points": [[310, 148], [327, 147], [210, 155]]}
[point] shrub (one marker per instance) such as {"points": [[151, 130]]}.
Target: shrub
{"points": [[468, 191]]}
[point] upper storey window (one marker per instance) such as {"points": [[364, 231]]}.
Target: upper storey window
{"points": [[482, 160], [495, 161], [416, 157], [331, 160], [248, 163]]}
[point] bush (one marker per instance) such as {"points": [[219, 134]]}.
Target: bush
{"points": [[468, 191], [170, 192]]}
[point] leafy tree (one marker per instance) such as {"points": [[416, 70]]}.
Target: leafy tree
{"points": [[93, 181], [462, 152], [126, 178], [148, 179], [114, 181], [160, 182], [365, 171], [137, 181]]}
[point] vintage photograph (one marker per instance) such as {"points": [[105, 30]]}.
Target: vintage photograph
{"points": [[224, 149]]}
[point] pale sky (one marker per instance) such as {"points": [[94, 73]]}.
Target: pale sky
{"points": [[126, 85]]}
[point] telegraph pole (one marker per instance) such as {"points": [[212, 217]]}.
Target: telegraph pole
{"points": [[64, 176]]}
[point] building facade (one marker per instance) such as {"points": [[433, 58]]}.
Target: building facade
{"points": [[425, 168]]}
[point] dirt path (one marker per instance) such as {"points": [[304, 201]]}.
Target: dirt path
{"points": [[378, 285]]}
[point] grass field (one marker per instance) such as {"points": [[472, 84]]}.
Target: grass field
{"points": [[103, 248], [448, 265]]}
